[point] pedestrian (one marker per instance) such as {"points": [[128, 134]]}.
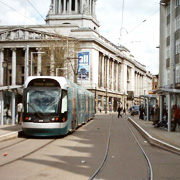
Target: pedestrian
{"points": [[19, 110], [119, 111], [124, 110], [8, 114], [175, 117], [100, 109], [132, 111], [141, 112], [156, 115]]}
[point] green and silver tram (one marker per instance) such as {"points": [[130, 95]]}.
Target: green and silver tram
{"points": [[54, 106]]}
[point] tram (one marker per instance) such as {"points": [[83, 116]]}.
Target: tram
{"points": [[55, 106]]}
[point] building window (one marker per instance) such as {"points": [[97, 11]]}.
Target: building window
{"points": [[177, 12], [168, 52], [177, 3], [168, 30], [177, 75], [167, 63], [168, 41], [168, 19]]}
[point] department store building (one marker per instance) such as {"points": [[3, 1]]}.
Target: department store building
{"points": [[114, 76]]}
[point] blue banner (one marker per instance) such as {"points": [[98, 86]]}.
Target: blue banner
{"points": [[83, 66]]}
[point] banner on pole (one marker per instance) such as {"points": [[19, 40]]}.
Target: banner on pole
{"points": [[83, 66]]}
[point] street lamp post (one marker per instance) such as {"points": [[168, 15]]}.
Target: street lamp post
{"points": [[32, 59]]}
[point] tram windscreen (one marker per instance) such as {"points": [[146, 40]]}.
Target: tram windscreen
{"points": [[43, 100]]}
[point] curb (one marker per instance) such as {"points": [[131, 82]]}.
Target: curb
{"points": [[11, 135], [154, 141]]}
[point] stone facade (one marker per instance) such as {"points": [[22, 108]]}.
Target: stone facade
{"points": [[113, 73]]}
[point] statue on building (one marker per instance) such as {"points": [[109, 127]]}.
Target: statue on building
{"points": [[50, 9], [85, 7]]}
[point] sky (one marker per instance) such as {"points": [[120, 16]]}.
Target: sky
{"points": [[132, 24]]}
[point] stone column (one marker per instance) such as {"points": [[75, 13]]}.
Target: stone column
{"points": [[124, 77], [113, 75], [90, 7], [169, 112], [64, 7], [161, 107], [136, 85], [117, 75], [94, 8], [81, 7], [39, 62], [53, 10], [69, 7], [13, 107], [13, 75], [107, 73], [99, 71], [132, 80], [148, 109], [102, 70], [142, 84], [26, 63], [1, 67], [139, 84], [52, 63], [60, 7], [76, 6]]}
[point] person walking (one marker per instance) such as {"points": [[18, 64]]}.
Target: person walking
{"points": [[175, 117], [119, 111], [124, 111], [19, 110], [156, 115]]}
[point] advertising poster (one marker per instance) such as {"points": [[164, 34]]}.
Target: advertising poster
{"points": [[83, 66]]}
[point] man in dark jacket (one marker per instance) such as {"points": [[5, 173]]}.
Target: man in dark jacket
{"points": [[119, 111]]}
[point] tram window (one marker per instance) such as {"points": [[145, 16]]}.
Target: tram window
{"points": [[64, 102]]}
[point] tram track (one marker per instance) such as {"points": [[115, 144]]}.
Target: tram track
{"points": [[26, 154], [150, 170], [100, 168], [106, 153]]}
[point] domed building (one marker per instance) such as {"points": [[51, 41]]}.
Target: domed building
{"points": [[111, 72]]}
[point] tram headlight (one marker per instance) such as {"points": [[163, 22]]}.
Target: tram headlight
{"points": [[54, 119], [28, 118]]}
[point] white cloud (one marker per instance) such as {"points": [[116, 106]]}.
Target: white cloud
{"points": [[144, 37]]}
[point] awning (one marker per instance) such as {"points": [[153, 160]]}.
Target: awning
{"points": [[167, 90], [149, 96]]}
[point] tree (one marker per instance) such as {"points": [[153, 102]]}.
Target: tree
{"points": [[60, 57]]}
